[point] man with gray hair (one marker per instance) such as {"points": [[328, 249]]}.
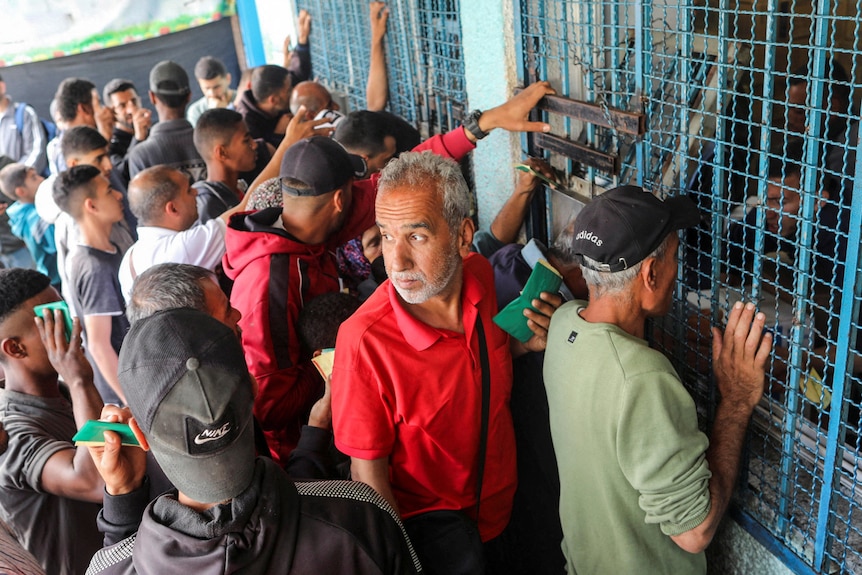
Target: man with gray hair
{"points": [[174, 285], [642, 489], [424, 447]]}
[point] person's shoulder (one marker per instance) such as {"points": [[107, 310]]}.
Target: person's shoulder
{"points": [[479, 266], [114, 559], [372, 311], [351, 506]]}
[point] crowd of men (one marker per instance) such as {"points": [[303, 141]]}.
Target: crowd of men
{"points": [[437, 443]]}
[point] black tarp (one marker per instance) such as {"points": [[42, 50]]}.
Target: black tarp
{"points": [[36, 83]]}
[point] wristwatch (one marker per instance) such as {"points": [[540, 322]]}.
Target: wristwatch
{"points": [[471, 124]]}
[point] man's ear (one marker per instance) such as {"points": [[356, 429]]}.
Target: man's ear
{"points": [[338, 199], [89, 206], [152, 97], [648, 273], [139, 435], [86, 109], [13, 348], [465, 236], [220, 152], [170, 208]]}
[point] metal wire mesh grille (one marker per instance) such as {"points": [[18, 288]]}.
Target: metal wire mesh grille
{"points": [[423, 53], [749, 107]]}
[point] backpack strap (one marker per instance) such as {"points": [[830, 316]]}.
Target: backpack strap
{"points": [[486, 408], [20, 108]]}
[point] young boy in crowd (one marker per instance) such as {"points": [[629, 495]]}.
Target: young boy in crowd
{"points": [[223, 141], [19, 183], [93, 266], [50, 489]]}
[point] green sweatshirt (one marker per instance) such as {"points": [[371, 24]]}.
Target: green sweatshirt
{"points": [[632, 461]]}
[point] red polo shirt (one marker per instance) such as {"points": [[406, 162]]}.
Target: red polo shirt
{"points": [[404, 390]]}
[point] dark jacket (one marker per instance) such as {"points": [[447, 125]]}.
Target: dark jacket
{"points": [[274, 526]]}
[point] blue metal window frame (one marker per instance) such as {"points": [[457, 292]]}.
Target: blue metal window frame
{"points": [[659, 71], [423, 54]]}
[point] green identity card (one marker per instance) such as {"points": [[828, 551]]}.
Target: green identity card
{"points": [[92, 433], [61, 305], [511, 318]]}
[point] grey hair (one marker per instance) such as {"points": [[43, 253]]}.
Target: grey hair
{"points": [[563, 247], [618, 283], [423, 169], [167, 286]]}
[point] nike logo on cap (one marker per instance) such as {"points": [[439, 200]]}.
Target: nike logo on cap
{"points": [[208, 435]]}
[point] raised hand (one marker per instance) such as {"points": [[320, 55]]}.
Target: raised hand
{"points": [[739, 356]]}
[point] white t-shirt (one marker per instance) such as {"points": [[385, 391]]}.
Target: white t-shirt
{"points": [[201, 245]]}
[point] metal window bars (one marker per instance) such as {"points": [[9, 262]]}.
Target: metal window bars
{"points": [[746, 111], [423, 54]]}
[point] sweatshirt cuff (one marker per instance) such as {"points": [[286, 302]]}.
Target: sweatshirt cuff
{"points": [[314, 439], [117, 509]]}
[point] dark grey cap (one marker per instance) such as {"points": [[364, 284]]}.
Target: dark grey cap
{"points": [[185, 377], [624, 225], [169, 79]]}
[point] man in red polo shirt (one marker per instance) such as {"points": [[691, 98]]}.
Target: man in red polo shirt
{"points": [[407, 381], [280, 258]]}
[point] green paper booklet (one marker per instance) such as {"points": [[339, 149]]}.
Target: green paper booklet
{"points": [[511, 318], [39, 310], [92, 433]]}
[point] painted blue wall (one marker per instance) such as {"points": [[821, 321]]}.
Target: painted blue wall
{"points": [[489, 65]]}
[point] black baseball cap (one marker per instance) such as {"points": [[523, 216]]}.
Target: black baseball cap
{"points": [[168, 78], [320, 163], [624, 225], [185, 377]]}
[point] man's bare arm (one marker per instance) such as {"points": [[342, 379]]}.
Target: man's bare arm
{"points": [[377, 87], [99, 340], [739, 359], [374, 472], [508, 221], [70, 472]]}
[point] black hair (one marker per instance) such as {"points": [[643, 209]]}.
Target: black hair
{"points": [[267, 80], [217, 125], [318, 322], [73, 186], [363, 132], [114, 86], [173, 101], [12, 177], [70, 93], [209, 68], [82, 140], [17, 285]]}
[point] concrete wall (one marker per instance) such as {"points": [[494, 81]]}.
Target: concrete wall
{"points": [[734, 551], [491, 75]]}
